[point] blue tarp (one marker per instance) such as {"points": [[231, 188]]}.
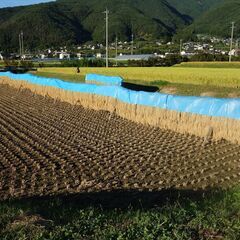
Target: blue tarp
{"points": [[216, 107], [105, 80]]}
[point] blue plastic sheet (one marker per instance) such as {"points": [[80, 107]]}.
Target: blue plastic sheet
{"points": [[215, 107], [105, 80]]}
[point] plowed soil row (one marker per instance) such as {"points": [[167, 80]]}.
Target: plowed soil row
{"points": [[48, 147]]}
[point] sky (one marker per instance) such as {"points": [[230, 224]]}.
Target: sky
{"points": [[11, 3]]}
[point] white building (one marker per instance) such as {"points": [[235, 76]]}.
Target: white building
{"points": [[27, 56], [79, 55], [42, 56], [234, 52], [187, 54], [1, 57], [98, 55], [64, 55], [139, 57]]}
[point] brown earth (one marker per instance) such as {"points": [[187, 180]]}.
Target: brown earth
{"points": [[208, 94], [169, 90], [49, 147]]}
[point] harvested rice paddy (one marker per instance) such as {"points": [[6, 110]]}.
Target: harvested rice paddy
{"points": [[49, 147], [68, 172]]}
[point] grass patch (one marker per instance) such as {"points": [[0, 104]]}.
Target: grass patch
{"points": [[191, 89], [197, 90], [66, 77], [150, 216], [178, 88], [210, 64]]}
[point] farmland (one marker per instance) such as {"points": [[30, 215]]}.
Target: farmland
{"points": [[224, 77], [133, 156], [104, 161], [182, 80], [210, 64], [68, 172]]}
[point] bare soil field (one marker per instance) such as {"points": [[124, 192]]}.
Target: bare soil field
{"points": [[49, 147]]}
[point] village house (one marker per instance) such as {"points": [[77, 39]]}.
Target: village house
{"points": [[234, 52], [63, 55]]}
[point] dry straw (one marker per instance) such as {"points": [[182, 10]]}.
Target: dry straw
{"points": [[223, 128]]}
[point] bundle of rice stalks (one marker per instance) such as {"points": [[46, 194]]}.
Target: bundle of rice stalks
{"points": [[199, 125]]}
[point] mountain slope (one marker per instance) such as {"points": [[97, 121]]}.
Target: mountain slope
{"points": [[76, 21], [43, 25], [217, 21], [194, 8]]}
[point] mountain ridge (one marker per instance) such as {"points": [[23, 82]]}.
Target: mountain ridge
{"points": [[217, 21], [67, 22]]}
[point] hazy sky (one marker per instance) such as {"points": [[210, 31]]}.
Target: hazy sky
{"points": [[11, 3]]}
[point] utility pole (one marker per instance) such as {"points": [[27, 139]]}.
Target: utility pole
{"points": [[181, 43], [231, 44], [116, 49], [106, 12], [132, 45], [20, 45]]}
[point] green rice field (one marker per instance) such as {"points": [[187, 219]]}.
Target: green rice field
{"points": [[185, 79], [224, 77]]}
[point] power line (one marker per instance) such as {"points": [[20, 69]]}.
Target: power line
{"points": [[231, 44]]}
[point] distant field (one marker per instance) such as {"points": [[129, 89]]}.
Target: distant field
{"points": [[210, 64], [224, 77], [217, 82]]}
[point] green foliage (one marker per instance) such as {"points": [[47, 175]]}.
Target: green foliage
{"points": [[26, 64], [210, 216], [8, 63], [217, 22], [170, 60], [83, 63], [194, 8], [22, 64], [67, 22], [216, 64], [206, 57]]}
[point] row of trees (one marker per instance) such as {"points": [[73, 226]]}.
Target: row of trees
{"points": [[206, 57], [22, 64], [170, 60]]}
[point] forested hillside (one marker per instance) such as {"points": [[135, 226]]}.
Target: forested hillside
{"points": [[194, 8], [67, 22], [217, 21]]}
